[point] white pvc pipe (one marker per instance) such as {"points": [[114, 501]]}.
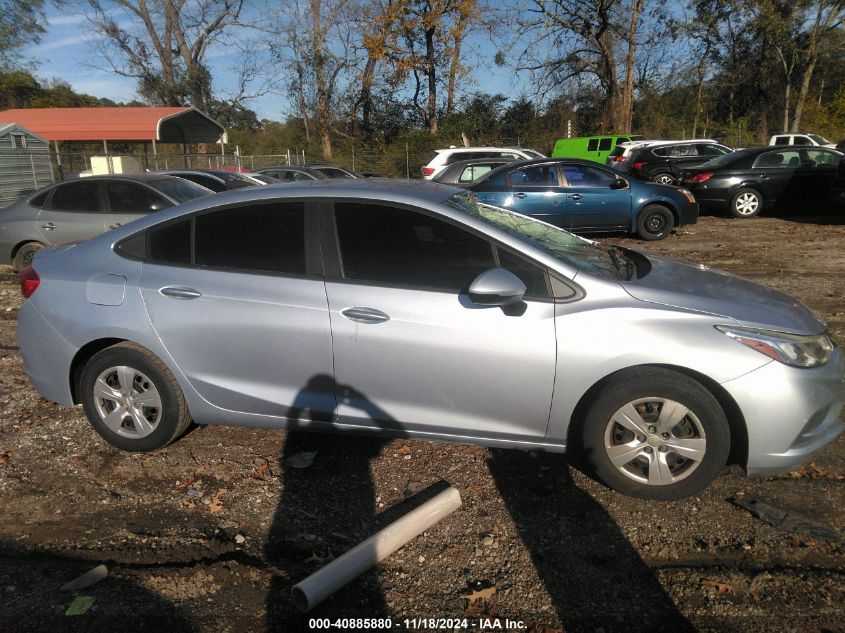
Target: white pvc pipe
{"points": [[310, 592]]}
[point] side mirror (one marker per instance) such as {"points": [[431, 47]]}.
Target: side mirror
{"points": [[619, 183], [496, 287]]}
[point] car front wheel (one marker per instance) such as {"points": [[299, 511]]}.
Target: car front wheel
{"points": [[655, 222], [655, 434], [132, 400]]}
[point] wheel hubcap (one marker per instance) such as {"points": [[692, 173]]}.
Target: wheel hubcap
{"points": [[746, 204], [127, 402], [665, 180], [655, 441]]}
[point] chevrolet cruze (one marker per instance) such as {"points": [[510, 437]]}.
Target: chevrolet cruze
{"points": [[410, 309]]}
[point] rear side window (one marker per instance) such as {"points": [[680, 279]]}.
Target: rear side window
{"points": [[783, 159], [587, 176], [262, 238], [709, 149], [621, 139], [389, 245], [128, 197], [802, 140], [205, 181], [472, 172], [782, 140], [39, 200], [682, 151], [77, 196], [605, 144], [170, 243], [593, 145]]}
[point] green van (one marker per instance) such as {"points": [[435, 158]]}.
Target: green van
{"points": [[594, 148]]}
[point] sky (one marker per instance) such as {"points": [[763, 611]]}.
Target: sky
{"points": [[67, 51]]}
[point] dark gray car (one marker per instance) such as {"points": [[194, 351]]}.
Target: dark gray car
{"points": [[79, 209]]}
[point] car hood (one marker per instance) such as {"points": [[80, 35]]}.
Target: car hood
{"points": [[677, 284]]}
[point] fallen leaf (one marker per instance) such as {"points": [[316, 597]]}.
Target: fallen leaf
{"points": [[80, 605], [216, 504], [481, 594], [721, 587], [184, 485], [258, 473], [4, 458], [475, 490], [404, 449]]}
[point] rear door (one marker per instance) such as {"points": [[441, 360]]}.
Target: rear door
{"points": [[590, 201], [537, 190], [238, 299], [74, 212], [775, 172], [412, 351]]}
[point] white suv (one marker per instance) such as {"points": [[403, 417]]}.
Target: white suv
{"points": [[444, 157], [801, 139]]}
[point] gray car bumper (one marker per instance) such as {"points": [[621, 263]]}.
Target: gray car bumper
{"points": [[47, 356], [790, 413]]}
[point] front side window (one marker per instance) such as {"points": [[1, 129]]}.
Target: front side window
{"points": [[587, 176], [128, 197], [382, 244], [77, 196], [530, 274], [536, 176]]}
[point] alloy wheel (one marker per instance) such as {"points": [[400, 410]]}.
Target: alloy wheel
{"points": [[664, 179], [746, 204]]}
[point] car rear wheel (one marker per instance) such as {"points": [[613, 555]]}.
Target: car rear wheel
{"points": [[664, 178], [132, 400], [656, 434], [25, 255], [655, 222], [746, 203]]}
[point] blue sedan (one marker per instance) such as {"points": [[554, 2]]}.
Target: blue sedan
{"points": [[578, 194]]}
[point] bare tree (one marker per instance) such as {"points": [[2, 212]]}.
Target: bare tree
{"points": [[165, 43]]}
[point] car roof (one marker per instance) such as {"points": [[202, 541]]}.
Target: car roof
{"points": [[514, 164], [293, 167], [144, 177], [479, 149]]}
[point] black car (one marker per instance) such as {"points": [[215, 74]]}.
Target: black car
{"points": [[215, 179], [465, 171], [749, 180], [291, 173], [665, 162]]}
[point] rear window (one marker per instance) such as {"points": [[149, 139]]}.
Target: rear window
{"points": [[179, 189]]}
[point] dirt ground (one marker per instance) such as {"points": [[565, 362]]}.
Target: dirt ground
{"points": [[210, 533]]}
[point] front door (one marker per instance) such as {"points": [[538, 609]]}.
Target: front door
{"points": [[537, 191], [128, 201], [590, 200], [242, 310], [411, 351]]}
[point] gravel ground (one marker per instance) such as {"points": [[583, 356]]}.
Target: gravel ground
{"points": [[210, 533]]}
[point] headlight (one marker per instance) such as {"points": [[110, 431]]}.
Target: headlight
{"points": [[688, 194], [791, 349]]}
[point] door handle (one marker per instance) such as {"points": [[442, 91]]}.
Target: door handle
{"points": [[115, 225], [365, 315], [180, 292], [519, 195], [48, 227], [575, 196]]}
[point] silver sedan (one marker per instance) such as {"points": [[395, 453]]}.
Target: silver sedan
{"points": [[408, 309]]}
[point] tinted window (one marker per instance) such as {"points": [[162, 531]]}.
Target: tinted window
{"points": [[180, 190], [395, 246], [785, 158], [585, 176], [128, 197], [76, 196], [663, 152], [802, 140], [531, 275], [333, 173], [593, 145], [171, 243], [621, 139], [472, 172], [817, 157], [537, 176], [782, 140], [709, 149], [205, 181], [265, 237], [39, 200], [604, 144], [682, 151]]}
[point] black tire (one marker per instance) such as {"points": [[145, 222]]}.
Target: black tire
{"points": [[169, 421], [655, 222], [25, 254], [746, 203], [663, 178], [651, 453]]}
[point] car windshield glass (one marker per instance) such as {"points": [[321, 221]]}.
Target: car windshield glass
{"points": [[721, 161], [584, 255], [821, 140], [180, 190]]}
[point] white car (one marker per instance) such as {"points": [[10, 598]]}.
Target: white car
{"points": [[444, 157], [801, 139]]}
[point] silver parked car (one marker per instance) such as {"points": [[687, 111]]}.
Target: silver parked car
{"points": [[408, 309], [81, 208]]}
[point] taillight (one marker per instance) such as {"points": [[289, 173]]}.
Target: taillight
{"points": [[427, 171], [639, 166], [29, 282], [618, 159], [705, 175]]}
